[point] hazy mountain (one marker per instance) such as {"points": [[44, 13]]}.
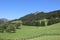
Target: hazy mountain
{"points": [[2, 20]]}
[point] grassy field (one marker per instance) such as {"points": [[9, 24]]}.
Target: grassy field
{"points": [[32, 32], [47, 38]]}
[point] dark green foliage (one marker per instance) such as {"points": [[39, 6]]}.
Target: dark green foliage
{"points": [[32, 23], [1, 30], [9, 27], [28, 23], [25, 23], [42, 23], [53, 21], [5, 25], [37, 24], [17, 25], [2, 27], [58, 20], [49, 22]]}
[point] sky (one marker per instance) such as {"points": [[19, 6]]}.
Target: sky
{"points": [[14, 9]]}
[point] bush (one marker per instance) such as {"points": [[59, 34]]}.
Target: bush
{"points": [[11, 28]]}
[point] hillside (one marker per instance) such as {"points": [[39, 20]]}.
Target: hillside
{"points": [[41, 15], [47, 38]]}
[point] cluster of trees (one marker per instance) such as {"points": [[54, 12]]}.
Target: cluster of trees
{"points": [[34, 23], [9, 27], [42, 23], [53, 21]]}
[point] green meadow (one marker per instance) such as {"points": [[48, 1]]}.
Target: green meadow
{"points": [[47, 38], [34, 33]]}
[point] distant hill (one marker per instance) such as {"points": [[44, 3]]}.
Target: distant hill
{"points": [[2, 20]]}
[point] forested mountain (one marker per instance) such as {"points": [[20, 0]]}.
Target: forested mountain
{"points": [[34, 16], [41, 15]]}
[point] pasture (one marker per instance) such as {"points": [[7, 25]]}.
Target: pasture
{"points": [[34, 33], [47, 38]]}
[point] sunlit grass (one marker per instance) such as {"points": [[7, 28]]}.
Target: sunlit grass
{"points": [[31, 31], [47, 38]]}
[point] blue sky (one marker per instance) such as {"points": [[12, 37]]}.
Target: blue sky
{"points": [[13, 9]]}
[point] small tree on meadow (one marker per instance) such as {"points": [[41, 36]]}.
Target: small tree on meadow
{"points": [[11, 28]]}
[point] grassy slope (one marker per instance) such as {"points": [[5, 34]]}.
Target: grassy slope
{"points": [[47, 38], [31, 31]]}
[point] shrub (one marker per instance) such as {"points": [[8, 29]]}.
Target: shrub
{"points": [[11, 28]]}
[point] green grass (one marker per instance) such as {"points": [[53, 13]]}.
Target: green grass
{"points": [[47, 38], [32, 31]]}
